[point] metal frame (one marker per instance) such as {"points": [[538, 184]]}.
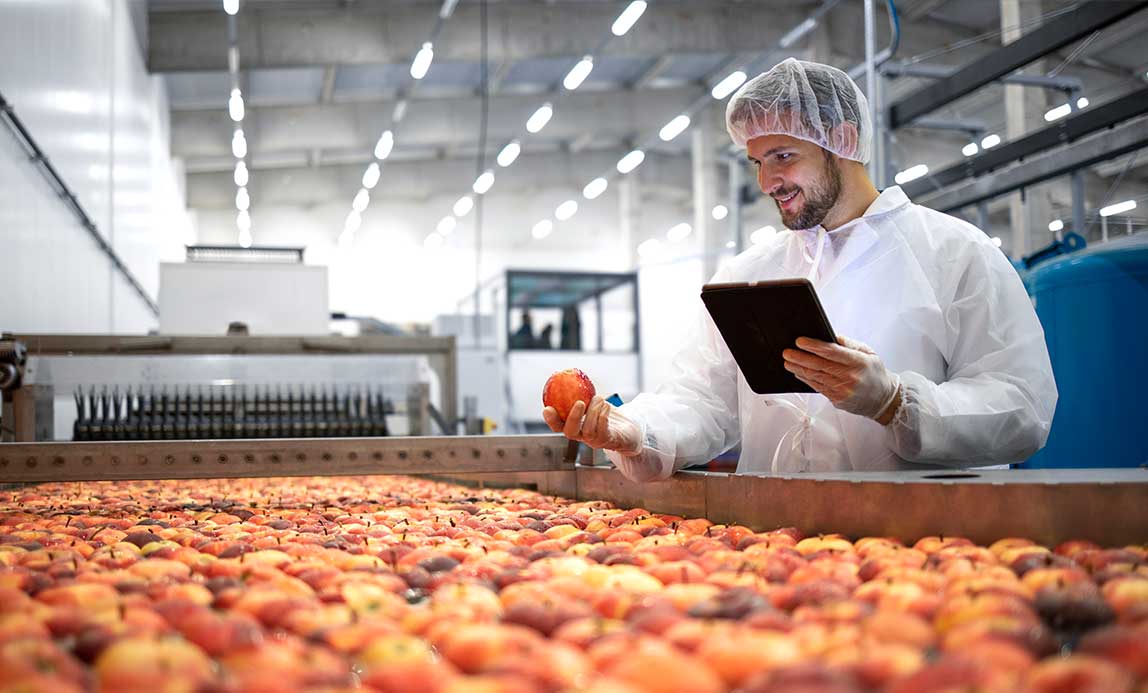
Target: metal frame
{"points": [[1120, 140], [1107, 506], [620, 278], [212, 459], [1064, 131], [442, 353], [1090, 17]]}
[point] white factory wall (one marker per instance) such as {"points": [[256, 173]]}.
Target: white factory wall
{"points": [[74, 74]]}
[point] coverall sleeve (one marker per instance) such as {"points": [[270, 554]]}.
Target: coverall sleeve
{"points": [[693, 416], [997, 402]]}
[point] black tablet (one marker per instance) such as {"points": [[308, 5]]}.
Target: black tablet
{"points": [[758, 320]]}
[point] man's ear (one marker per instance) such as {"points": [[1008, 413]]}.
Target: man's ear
{"points": [[844, 138]]}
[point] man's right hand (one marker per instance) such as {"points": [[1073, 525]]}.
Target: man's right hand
{"points": [[600, 425]]}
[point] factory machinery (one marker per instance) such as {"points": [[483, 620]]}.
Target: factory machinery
{"points": [[104, 388], [187, 413]]}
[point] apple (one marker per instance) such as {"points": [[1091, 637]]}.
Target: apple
{"points": [[153, 664], [1078, 673], [1128, 597], [654, 667], [1124, 645], [564, 388]]}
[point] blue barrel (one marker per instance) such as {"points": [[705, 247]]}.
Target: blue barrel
{"points": [[1093, 305]]}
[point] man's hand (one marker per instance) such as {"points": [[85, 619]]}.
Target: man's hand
{"points": [[600, 426], [849, 374]]}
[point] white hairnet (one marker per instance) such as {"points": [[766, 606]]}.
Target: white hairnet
{"points": [[809, 101]]}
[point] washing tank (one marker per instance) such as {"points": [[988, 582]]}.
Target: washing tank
{"points": [[1093, 305]]}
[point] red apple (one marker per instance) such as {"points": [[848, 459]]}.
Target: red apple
{"points": [[566, 387]]}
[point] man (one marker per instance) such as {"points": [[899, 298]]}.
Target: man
{"points": [[950, 367]]}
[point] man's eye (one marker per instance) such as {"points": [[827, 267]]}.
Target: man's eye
{"points": [[784, 156]]}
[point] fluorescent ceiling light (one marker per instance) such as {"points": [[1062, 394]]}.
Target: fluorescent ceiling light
{"points": [[1058, 112], [674, 128], [371, 176], [970, 149], [727, 86], [631, 161], [483, 182], [542, 229], [626, 20], [594, 188], [649, 247], [1082, 102], [996, 240], [241, 174], [239, 144], [540, 118], [385, 144], [463, 206], [235, 105], [362, 199], [796, 33], [679, 232], [242, 200], [1118, 208], [446, 225], [434, 240], [720, 212], [400, 111], [578, 73], [422, 61], [762, 235], [509, 153], [352, 222], [990, 141], [447, 8], [566, 210], [243, 220], [911, 173], [231, 7], [244, 239], [1055, 225]]}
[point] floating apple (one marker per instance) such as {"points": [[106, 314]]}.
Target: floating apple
{"points": [[564, 388]]}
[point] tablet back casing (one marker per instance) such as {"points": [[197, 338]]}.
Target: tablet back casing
{"points": [[758, 320]]}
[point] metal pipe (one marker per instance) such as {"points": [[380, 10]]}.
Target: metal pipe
{"points": [[871, 74], [735, 220], [927, 71]]}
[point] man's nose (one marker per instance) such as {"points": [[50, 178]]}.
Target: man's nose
{"points": [[769, 184]]}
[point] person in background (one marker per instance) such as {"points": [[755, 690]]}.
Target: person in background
{"points": [[946, 365], [523, 337], [571, 330]]}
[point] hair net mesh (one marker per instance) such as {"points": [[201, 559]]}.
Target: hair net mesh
{"points": [[807, 101]]}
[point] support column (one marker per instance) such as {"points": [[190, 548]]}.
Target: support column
{"points": [[1028, 214], [704, 169], [630, 216]]}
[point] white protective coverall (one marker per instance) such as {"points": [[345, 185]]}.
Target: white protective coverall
{"points": [[939, 304]]}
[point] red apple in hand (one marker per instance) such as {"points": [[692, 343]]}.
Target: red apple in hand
{"points": [[566, 387]]}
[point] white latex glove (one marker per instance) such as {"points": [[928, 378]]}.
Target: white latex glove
{"points": [[848, 373], [599, 425]]}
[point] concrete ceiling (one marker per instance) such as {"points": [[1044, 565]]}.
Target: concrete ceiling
{"points": [[321, 79]]}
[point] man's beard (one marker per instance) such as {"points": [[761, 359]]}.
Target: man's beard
{"points": [[819, 199]]}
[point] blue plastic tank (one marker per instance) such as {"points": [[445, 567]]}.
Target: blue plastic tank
{"points": [[1093, 305]]}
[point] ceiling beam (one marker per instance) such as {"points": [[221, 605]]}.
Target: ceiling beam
{"points": [[197, 40]]}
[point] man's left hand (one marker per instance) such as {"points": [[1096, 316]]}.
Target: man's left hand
{"points": [[848, 373]]}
